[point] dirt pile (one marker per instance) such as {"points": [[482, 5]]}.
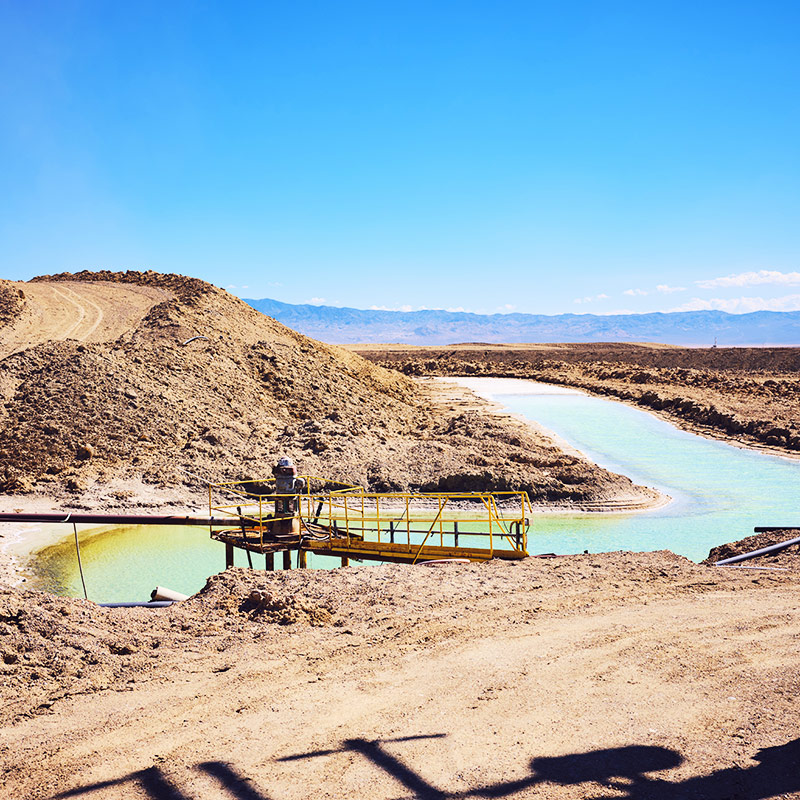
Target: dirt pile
{"points": [[204, 384], [752, 394], [54, 647], [262, 599], [12, 301]]}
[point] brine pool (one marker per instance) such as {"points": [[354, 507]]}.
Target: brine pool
{"points": [[719, 493]]}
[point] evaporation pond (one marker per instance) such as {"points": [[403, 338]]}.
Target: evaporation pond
{"points": [[719, 492]]}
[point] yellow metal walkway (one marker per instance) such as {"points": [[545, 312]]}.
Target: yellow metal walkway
{"points": [[344, 521]]}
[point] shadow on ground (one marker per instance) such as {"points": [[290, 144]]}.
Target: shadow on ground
{"points": [[625, 769]]}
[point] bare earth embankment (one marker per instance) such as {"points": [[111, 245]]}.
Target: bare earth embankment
{"points": [[180, 377], [746, 395], [616, 675]]}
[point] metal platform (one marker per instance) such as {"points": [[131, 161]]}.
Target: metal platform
{"points": [[346, 522]]}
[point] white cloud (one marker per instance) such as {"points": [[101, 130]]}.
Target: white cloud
{"points": [[393, 308], [665, 289], [590, 299], [507, 307], [635, 292], [742, 305], [316, 301], [763, 276]]}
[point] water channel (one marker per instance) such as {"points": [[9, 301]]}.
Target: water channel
{"points": [[719, 493]]}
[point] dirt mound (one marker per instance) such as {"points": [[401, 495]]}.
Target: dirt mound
{"points": [[261, 599], [783, 558], [52, 647], [205, 385]]}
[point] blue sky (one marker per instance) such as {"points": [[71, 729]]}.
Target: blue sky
{"points": [[544, 157]]}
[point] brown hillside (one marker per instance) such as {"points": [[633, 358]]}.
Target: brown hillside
{"points": [[199, 381]]}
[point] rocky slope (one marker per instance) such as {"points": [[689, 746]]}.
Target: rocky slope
{"points": [[204, 384]]}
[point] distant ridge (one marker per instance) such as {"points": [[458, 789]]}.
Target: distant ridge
{"points": [[687, 328]]}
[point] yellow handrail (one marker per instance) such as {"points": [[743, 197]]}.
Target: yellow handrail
{"points": [[371, 510], [441, 508]]}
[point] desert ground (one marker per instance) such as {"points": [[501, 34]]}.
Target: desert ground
{"points": [[633, 675], [615, 675], [149, 378]]}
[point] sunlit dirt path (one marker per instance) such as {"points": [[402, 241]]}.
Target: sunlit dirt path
{"points": [[89, 312]]}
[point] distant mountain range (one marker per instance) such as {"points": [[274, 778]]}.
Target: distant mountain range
{"points": [[688, 328]]}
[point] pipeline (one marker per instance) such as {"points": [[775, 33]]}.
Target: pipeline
{"points": [[773, 548], [162, 593], [117, 519]]}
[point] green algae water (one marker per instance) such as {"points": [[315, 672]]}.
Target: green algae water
{"points": [[719, 493], [127, 562]]}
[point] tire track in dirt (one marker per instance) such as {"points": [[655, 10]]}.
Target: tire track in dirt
{"points": [[64, 334], [54, 312], [81, 303]]}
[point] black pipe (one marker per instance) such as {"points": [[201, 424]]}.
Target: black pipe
{"points": [[118, 519]]}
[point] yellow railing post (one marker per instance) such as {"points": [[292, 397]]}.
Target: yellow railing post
{"points": [[430, 530], [260, 521], [408, 525]]}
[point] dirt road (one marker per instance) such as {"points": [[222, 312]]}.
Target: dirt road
{"points": [[88, 312], [616, 675]]}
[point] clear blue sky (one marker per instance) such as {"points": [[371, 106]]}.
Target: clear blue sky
{"points": [[540, 156]]}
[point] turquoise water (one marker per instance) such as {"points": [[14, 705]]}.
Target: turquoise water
{"points": [[719, 494]]}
